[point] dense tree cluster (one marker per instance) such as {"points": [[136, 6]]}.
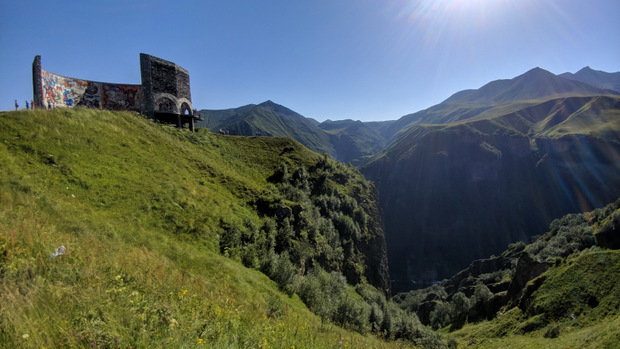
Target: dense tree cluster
{"points": [[316, 225]]}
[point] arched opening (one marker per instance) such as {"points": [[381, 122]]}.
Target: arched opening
{"points": [[187, 116], [185, 109]]}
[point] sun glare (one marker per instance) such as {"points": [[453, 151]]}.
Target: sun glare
{"points": [[440, 19]]}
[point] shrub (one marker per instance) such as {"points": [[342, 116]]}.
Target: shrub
{"points": [[441, 316], [352, 313], [280, 269], [553, 331]]}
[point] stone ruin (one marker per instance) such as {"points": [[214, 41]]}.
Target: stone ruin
{"points": [[164, 94]]}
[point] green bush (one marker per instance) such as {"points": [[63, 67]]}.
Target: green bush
{"points": [[441, 316], [280, 269], [353, 313]]}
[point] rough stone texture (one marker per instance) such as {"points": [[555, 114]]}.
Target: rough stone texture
{"points": [[166, 88], [37, 82], [425, 310], [527, 269], [478, 267]]}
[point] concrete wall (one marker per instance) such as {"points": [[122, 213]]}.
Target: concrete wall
{"points": [[165, 90], [62, 91]]}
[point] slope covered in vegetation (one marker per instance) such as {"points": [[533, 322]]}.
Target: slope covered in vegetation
{"points": [[560, 291], [452, 193], [168, 237]]}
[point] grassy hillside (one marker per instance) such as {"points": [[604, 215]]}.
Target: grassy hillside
{"points": [[146, 213], [560, 291]]}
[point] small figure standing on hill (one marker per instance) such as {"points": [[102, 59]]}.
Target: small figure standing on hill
{"points": [[16, 105], [49, 105], [31, 104], [27, 105]]}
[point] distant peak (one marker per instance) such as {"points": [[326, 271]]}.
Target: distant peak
{"points": [[586, 69], [268, 102], [536, 73], [537, 70]]}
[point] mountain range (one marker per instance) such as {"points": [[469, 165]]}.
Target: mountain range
{"points": [[596, 78], [347, 140], [161, 237], [457, 179], [465, 178]]}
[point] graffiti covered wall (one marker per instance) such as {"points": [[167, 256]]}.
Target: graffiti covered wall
{"points": [[164, 94], [61, 91]]}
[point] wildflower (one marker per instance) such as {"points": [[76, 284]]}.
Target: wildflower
{"points": [[117, 340], [25, 336]]}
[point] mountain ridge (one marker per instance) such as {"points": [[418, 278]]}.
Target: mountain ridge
{"points": [[528, 88], [437, 181], [597, 78]]}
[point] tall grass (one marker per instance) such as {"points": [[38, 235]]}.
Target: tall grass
{"points": [[138, 207]]}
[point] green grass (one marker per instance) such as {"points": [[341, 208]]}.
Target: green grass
{"points": [[138, 207], [604, 334], [578, 304]]}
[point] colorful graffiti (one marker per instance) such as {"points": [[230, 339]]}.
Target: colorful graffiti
{"points": [[122, 97], [61, 91]]}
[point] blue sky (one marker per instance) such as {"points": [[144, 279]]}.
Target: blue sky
{"points": [[325, 59]]}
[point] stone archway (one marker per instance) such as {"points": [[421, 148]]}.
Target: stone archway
{"points": [[186, 109], [166, 105]]}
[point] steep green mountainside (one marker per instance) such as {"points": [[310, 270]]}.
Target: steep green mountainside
{"points": [[560, 291], [498, 98], [353, 140], [457, 192], [347, 141], [214, 120], [268, 119], [596, 78], [382, 127], [117, 231]]}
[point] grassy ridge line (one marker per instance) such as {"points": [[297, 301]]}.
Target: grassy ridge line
{"points": [[136, 205]]}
